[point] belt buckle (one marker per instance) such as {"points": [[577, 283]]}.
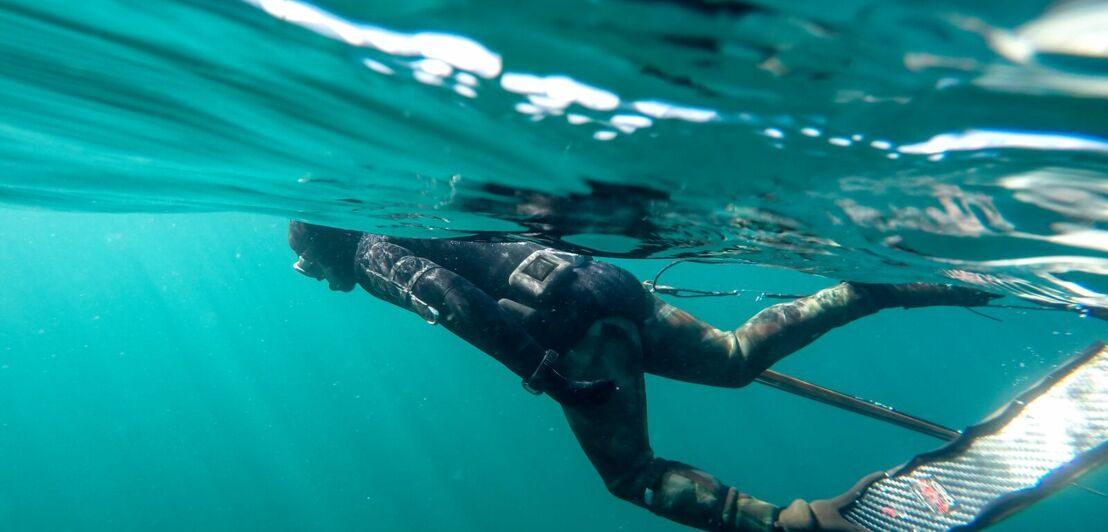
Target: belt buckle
{"points": [[541, 271]]}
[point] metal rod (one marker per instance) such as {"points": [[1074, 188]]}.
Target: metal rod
{"points": [[855, 404], [871, 409]]}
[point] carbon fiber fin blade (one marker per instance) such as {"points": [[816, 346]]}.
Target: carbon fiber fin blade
{"points": [[1039, 443]]}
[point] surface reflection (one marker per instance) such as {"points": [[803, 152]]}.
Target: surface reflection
{"points": [[443, 53], [881, 140], [974, 140], [922, 207], [451, 50]]}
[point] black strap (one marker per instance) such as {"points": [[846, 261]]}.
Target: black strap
{"points": [[539, 381]]}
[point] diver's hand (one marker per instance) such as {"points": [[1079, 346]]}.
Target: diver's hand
{"points": [[568, 392], [825, 515], [579, 393]]}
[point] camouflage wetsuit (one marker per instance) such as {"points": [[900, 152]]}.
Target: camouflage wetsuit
{"points": [[466, 287]]}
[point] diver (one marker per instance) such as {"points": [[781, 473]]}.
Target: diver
{"points": [[584, 332]]}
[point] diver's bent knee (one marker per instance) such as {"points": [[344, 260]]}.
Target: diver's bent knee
{"points": [[740, 368], [638, 485], [738, 378], [725, 375], [625, 489], [629, 487]]}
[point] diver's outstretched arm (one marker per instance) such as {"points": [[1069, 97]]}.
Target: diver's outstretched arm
{"points": [[679, 346]]}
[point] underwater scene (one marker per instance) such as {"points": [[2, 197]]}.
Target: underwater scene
{"points": [[487, 193]]}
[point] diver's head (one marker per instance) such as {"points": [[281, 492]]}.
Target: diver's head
{"points": [[325, 253]]}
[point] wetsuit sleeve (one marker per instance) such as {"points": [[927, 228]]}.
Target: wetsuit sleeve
{"points": [[394, 274]]}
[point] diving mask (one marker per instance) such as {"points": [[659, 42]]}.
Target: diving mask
{"points": [[308, 268]]}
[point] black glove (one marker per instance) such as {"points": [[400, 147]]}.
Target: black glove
{"points": [[569, 392], [579, 393], [825, 515]]}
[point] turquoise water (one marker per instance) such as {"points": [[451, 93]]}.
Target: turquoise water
{"points": [[162, 367], [172, 372]]}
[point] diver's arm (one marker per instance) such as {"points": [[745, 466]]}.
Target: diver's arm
{"points": [[393, 273]]}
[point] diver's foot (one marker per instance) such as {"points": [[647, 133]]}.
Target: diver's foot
{"points": [[912, 295]]}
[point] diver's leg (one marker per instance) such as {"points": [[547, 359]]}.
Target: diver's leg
{"points": [[679, 346], [614, 437]]}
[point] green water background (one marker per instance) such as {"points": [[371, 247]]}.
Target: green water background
{"points": [[171, 372]]}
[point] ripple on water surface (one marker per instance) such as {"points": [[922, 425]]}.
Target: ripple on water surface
{"points": [[881, 140]]}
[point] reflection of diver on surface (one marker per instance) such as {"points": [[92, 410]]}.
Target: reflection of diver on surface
{"points": [[627, 210], [585, 332], [657, 223]]}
